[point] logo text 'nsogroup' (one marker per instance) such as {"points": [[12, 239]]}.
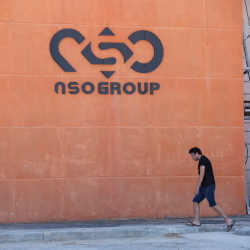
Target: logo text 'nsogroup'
{"points": [[108, 87]]}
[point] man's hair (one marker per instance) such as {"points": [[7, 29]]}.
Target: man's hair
{"points": [[195, 150]]}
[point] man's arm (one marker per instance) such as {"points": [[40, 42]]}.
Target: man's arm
{"points": [[200, 178]]}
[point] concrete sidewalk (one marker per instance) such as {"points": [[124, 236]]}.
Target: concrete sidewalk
{"points": [[117, 229]]}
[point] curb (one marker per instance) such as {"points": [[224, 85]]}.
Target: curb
{"points": [[245, 231], [111, 232]]}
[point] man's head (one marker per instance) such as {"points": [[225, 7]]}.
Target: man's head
{"points": [[195, 153]]}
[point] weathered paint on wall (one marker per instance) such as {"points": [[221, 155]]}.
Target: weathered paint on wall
{"points": [[78, 157]]}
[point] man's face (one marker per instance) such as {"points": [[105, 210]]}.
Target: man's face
{"points": [[195, 157]]}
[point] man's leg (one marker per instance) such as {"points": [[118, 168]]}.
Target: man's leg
{"points": [[210, 195], [196, 213], [220, 212], [196, 204]]}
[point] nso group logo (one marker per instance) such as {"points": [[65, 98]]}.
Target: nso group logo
{"points": [[107, 87]]}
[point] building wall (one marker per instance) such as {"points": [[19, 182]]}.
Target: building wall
{"points": [[246, 30], [81, 157]]}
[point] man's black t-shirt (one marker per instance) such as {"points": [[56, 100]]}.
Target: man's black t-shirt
{"points": [[208, 179]]}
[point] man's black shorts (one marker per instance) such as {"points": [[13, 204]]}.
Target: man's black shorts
{"points": [[208, 193]]}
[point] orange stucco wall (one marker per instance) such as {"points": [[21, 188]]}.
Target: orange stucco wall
{"points": [[79, 157]]}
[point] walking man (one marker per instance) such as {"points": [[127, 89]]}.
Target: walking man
{"points": [[205, 188]]}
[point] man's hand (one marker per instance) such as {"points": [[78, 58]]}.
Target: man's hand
{"points": [[200, 178]]}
